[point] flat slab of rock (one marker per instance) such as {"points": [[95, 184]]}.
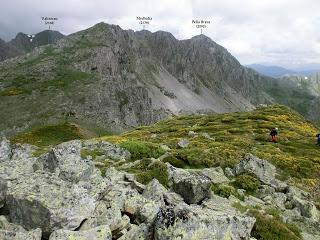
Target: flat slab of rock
{"points": [[98, 233], [27, 235], [196, 222], [216, 175]]}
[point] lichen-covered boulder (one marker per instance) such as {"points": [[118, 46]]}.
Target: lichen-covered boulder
{"points": [[264, 170], [106, 216], [142, 209], [306, 208], [10, 171], [128, 199], [22, 152], [65, 160], [114, 176], [42, 200], [155, 191], [140, 232], [23, 235], [192, 187], [197, 222], [109, 150], [98, 233], [5, 149], [10, 231]]}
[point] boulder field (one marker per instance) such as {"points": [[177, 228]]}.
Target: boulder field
{"points": [[62, 195]]}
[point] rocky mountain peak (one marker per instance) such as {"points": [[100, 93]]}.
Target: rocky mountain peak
{"points": [[202, 37], [129, 71], [21, 44]]}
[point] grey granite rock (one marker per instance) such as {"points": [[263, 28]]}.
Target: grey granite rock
{"points": [[42, 200], [98, 233], [192, 187], [196, 222], [5, 149], [183, 143]]}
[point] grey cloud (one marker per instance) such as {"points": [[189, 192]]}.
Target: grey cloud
{"points": [[281, 31]]}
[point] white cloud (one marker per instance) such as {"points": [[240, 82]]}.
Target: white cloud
{"points": [[276, 31]]}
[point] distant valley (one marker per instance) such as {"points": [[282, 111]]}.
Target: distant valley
{"points": [[276, 71]]}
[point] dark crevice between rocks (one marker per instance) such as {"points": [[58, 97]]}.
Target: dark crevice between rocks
{"points": [[201, 201], [116, 234], [166, 202], [78, 228], [4, 210]]}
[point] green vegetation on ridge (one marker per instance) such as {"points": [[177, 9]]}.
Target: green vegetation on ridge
{"points": [[51, 135], [234, 135]]}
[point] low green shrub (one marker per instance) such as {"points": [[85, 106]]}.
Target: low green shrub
{"points": [[93, 153], [157, 170], [228, 119], [224, 190], [259, 117], [175, 161], [242, 208], [274, 212], [195, 157], [141, 149], [268, 227], [247, 182]]}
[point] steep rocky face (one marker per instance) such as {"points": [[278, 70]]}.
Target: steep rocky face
{"points": [[21, 44], [7, 51], [199, 61], [118, 79]]}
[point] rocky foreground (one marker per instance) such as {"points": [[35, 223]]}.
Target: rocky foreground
{"points": [[61, 195]]}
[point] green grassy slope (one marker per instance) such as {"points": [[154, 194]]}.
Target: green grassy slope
{"points": [[233, 136], [46, 136]]}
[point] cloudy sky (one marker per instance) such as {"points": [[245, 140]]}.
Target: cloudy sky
{"points": [[281, 32]]}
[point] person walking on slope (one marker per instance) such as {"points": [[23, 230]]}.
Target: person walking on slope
{"points": [[318, 138], [273, 134]]}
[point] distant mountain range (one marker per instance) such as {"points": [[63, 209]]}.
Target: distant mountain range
{"points": [[116, 79], [276, 71], [21, 44]]}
